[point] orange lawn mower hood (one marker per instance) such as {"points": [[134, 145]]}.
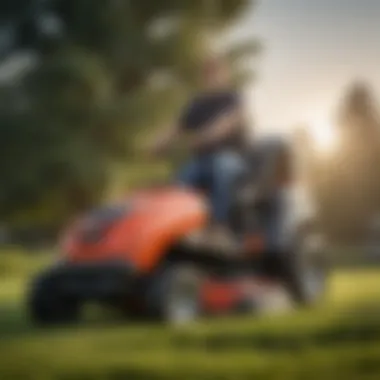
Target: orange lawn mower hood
{"points": [[139, 230]]}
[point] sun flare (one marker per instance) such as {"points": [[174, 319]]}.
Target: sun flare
{"points": [[324, 136]]}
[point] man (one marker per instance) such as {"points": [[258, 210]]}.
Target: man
{"points": [[214, 124]]}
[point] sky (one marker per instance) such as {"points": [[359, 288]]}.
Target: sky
{"points": [[312, 51]]}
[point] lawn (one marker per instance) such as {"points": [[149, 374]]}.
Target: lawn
{"points": [[340, 339]]}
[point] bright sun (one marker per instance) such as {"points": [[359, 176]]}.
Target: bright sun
{"points": [[324, 136]]}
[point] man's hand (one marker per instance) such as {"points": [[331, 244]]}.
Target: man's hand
{"points": [[217, 130], [151, 149], [160, 145]]}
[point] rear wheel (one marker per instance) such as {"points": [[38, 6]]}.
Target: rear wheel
{"points": [[306, 270], [47, 307], [173, 295]]}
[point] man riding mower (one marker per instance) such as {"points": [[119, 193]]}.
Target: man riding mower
{"points": [[199, 246]]}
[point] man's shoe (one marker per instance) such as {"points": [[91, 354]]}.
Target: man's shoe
{"points": [[217, 244]]}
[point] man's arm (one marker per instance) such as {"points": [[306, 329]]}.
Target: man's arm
{"points": [[166, 139], [219, 128], [163, 142]]}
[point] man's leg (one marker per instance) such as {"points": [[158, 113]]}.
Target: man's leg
{"points": [[226, 168], [190, 174]]}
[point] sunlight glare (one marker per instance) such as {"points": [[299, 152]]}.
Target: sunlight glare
{"points": [[324, 136]]}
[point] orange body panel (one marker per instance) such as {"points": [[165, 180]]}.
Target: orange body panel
{"points": [[158, 219], [220, 295]]}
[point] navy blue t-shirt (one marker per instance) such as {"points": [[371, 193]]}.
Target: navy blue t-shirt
{"points": [[205, 108]]}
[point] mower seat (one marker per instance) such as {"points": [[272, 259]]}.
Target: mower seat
{"points": [[269, 167]]}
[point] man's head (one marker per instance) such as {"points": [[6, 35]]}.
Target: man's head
{"points": [[215, 74]]}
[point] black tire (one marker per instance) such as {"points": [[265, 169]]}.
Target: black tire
{"points": [[173, 295], [47, 307], [306, 272]]}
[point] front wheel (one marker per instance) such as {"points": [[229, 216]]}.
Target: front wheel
{"points": [[173, 295], [46, 306]]}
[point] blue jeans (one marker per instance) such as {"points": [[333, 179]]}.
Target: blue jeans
{"points": [[218, 171], [275, 225]]}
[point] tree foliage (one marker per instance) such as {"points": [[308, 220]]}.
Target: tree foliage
{"points": [[94, 92]]}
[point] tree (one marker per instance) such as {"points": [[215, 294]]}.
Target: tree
{"points": [[93, 94], [348, 188]]}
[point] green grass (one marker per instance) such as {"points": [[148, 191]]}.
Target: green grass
{"points": [[340, 339]]}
